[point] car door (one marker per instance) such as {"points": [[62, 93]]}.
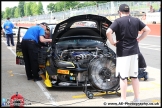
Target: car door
{"points": [[19, 54]]}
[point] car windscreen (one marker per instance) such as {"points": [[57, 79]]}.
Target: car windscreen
{"points": [[79, 43]]}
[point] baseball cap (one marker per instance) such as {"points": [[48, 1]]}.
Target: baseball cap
{"points": [[124, 8]]}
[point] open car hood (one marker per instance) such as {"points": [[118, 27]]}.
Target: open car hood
{"points": [[66, 28]]}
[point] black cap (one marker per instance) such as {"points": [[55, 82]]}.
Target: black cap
{"points": [[44, 23], [124, 8]]}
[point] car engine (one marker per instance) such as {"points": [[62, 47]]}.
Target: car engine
{"points": [[81, 57]]}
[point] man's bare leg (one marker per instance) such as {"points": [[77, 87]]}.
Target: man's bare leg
{"points": [[123, 88], [135, 85]]}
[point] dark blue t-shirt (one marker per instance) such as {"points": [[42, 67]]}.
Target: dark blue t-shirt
{"points": [[126, 29], [34, 32]]}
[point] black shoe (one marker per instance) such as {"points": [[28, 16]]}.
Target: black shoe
{"points": [[30, 78], [8, 45], [38, 79], [146, 76]]}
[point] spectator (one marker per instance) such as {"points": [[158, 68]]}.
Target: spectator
{"points": [[8, 28], [151, 9], [54, 21], [30, 49], [160, 8], [126, 29]]}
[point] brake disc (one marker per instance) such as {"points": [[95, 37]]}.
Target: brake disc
{"points": [[101, 74]]}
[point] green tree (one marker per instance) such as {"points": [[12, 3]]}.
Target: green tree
{"points": [[70, 5], [12, 11], [7, 12], [40, 8], [2, 15], [51, 7], [26, 9], [33, 8], [84, 4], [29, 9], [21, 8], [102, 1], [61, 6], [67, 5], [16, 13]]}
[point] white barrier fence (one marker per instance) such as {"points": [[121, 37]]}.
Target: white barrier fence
{"points": [[153, 17]]}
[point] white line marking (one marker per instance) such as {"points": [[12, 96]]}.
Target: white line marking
{"points": [[44, 90], [18, 73], [150, 48], [155, 36], [149, 45], [48, 95], [6, 41], [152, 68], [11, 50]]}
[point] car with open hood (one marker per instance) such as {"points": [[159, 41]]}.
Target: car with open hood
{"points": [[78, 55]]}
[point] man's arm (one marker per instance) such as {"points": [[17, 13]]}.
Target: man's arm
{"points": [[12, 25], [3, 26], [146, 30], [42, 39], [109, 36]]}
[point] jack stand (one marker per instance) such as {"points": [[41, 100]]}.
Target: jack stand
{"points": [[90, 95], [86, 91]]}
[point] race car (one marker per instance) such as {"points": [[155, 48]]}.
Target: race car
{"points": [[78, 55]]}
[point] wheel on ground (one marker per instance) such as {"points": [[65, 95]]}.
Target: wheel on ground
{"points": [[90, 95], [87, 93]]}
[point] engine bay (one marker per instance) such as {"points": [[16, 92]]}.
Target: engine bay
{"points": [[76, 56]]}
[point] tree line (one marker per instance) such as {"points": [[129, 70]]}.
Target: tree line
{"points": [[25, 9]]}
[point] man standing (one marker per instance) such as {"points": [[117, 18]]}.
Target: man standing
{"points": [[30, 49], [159, 8], [126, 29], [8, 26]]}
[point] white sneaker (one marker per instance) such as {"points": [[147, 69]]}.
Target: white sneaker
{"points": [[136, 101]]}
